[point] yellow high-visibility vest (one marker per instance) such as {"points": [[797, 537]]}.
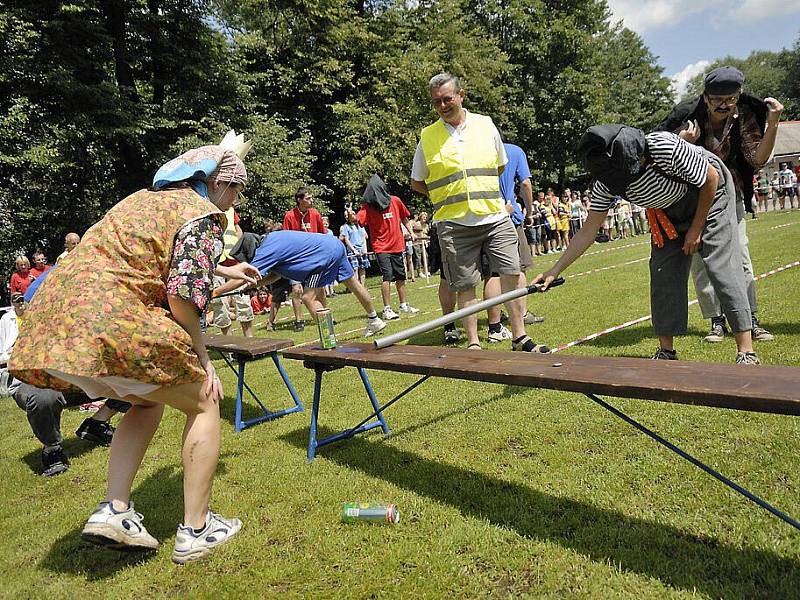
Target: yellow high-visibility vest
{"points": [[462, 182], [229, 238]]}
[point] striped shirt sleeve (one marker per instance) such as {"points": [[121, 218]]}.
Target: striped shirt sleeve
{"points": [[678, 157], [602, 198]]}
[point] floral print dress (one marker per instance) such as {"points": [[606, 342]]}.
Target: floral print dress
{"points": [[103, 312]]}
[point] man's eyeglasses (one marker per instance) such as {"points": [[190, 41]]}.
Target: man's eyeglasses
{"points": [[718, 101], [444, 100]]}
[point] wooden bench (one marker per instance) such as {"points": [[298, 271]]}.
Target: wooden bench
{"points": [[768, 389], [248, 349]]}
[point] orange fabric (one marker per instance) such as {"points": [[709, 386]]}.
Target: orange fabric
{"points": [[103, 311], [659, 221]]}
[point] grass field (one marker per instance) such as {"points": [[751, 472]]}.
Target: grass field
{"points": [[503, 491]]}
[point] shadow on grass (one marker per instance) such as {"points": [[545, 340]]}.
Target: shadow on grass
{"points": [[680, 559], [73, 448], [635, 334], [161, 497], [508, 391]]}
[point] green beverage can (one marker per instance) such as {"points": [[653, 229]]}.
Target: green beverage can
{"points": [[327, 337], [372, 512]]}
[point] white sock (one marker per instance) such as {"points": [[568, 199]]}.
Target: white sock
{"points": [[373, 315]]}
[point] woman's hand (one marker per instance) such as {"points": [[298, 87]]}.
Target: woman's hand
{"points": [[241, 272], [213, 386]]}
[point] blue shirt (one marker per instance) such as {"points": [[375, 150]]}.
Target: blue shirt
{"points": [[296, 255], [356, 235], [516, 170]]}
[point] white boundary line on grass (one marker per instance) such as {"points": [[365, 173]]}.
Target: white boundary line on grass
{"points": [[647, 317]]}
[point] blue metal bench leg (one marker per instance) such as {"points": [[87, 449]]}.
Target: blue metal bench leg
{"points": [[373, 399], [312, 433], [298, 406], [239, 395], [241, 386]]}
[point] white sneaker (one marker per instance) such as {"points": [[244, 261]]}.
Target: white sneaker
{"points": [[389, 314], [495, 337], [374, 326], [190, 546], [407, 308], [118, 530]]}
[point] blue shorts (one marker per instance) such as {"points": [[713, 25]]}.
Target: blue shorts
{"points": [[339, 271], [358, 262]]}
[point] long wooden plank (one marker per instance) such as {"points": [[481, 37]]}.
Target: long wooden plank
{"points": [[769, 389], [250, 347]]}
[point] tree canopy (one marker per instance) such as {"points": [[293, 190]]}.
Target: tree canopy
{"points": [[96, 94]]}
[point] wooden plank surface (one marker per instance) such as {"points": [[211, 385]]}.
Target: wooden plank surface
{"points": [[770, 389], [250, 347]]}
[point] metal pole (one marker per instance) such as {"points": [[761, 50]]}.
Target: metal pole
{"points": [[461, 313]]}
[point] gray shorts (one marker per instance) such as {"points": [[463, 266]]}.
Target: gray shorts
{"points": [[462, 246]]}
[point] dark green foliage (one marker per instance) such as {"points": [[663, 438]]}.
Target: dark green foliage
{"points": [[96, 94]]}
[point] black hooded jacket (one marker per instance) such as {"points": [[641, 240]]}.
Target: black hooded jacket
{"points": [[696, 109]]}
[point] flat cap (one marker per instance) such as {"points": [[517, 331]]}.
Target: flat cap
{"points": [[723, 80]]}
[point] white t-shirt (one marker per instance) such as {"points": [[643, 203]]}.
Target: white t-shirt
{"points": [[420, 171]]}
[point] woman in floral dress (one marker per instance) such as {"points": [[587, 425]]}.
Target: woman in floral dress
{"points": [[119, 318]]}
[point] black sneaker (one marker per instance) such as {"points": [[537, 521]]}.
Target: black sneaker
{"points": [[54, 462], [662, 354], [718, 330], [97, 432], [451, 336], [299, 325], [503, 317], [759, 333]]}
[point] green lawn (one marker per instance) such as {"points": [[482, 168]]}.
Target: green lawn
{"points": [[503, 491]]}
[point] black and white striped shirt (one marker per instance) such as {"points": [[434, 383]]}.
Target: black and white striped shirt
{"points": [[673, 156]]}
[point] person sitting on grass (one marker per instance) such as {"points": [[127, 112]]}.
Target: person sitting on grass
{"points": [[315, 260], [43, 406], [695, 194], [261, 302]]}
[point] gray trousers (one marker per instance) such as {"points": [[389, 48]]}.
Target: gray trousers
{"points": [[707, 298], [43, 408], [720, 253]]}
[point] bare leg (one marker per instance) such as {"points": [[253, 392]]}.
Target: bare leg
{"points": [[491, 289], [401, 290], [201, 442], [128, 446], [298, 315], [447, 298], [515, 313], [666, 342], [247, 328], [744, 341], [467, 298], [386, 293], [311, 301], [361, 294]]}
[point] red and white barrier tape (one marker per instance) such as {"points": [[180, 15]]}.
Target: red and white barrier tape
{"points": [[647, 317]]}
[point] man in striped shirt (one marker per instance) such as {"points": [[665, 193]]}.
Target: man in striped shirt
{"points": [[696, 193]]}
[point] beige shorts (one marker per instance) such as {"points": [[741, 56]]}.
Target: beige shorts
{"points": [[222, 317], [462, 246]]}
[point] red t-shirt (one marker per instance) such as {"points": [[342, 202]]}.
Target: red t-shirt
{"points": [[310, 222], [36, 272], [384, 226], [259, 308], [20, 282]]}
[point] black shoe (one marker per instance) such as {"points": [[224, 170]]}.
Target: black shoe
{"points": [[97, 432], [759, 333], [299, 325], [503, 317], [662, 354], [718, 330], [54, 462], [451, 336]]}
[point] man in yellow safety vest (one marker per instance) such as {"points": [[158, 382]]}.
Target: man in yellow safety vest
{"points": [[457, 164]]}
